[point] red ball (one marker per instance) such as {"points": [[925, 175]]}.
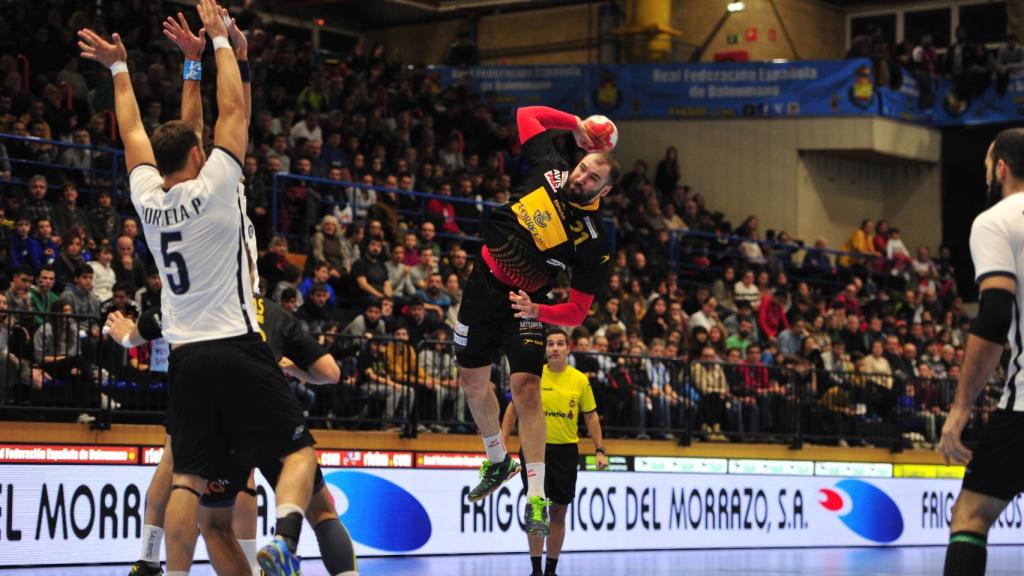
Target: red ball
{"points": [[602, 132]]}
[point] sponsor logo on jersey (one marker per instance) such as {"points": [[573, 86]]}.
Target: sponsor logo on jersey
{"points": [[559, 414], [536, 213], [865, 509], [557, 263], [542, 218], [556, 178], [461, 334], [531, 326]]}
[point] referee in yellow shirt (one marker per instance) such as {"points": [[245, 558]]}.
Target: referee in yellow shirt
{"points": [[565, 393]]}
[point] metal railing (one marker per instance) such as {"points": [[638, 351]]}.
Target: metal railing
{"points": [[104, 170], [60, 366]]}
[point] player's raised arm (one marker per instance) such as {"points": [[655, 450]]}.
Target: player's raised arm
{"points": [[533, 120], [192, 46], [230, 132], [241, 47], [137, 149]]}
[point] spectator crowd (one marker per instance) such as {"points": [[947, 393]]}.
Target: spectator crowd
{"points": [[727, 331]]}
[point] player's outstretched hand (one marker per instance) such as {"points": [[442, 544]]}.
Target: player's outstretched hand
{"points": [[190, 44], [213, 22], [583, 140], [238, 40], [951, 446], [523, 306], [99, 50]]}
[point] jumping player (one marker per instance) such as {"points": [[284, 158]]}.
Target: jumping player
{"points": [[227, 395], [994, 473], [565, 393], [551, 225]]}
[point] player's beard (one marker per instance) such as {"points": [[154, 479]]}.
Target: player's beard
{"points": [[574, 192], [995, 189]]}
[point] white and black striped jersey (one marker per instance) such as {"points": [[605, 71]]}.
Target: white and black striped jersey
{"points": [[197, 232], [997, 249]]}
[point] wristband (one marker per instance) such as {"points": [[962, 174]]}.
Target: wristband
{"points": [[118, 67], [193, 70], [601, 450], [126, 342], [243, 69], [221, 42]]}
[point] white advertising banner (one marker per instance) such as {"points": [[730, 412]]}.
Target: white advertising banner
{"points": [[82, 514]]}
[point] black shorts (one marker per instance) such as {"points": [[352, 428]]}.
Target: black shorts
{"points": [[995, 469], [230, 402], [222, 491], [487, 326], [561, 462]]}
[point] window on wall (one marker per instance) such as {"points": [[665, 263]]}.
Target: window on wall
{"points": [[984, 22], [866, 25], [920, 22]]}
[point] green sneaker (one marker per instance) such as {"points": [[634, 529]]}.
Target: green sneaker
{"points": [[537, 516], [492, 476]]}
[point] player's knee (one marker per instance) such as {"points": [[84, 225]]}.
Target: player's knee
{"points": [[969, 516], [474, 379], [216, 519], [526, 393], [321, 508], [557, 513]]}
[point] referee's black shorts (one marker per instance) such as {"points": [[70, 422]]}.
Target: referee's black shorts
{"points": [[561, 462], [487, 326], [996, 468], [230, 402]]}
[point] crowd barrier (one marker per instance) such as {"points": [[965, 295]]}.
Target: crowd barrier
{"points": [[60, 367]]}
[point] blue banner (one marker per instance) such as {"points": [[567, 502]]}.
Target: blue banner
{"points": [[737, 90], [509, 87], [732, 90]]}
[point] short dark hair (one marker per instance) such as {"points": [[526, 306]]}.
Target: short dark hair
{"points": [[121, 287], [171, 144], [1009, 147], [289, 294], [318, 287], [554, 332], [83, 270]]}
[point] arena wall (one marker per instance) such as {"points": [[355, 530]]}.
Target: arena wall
{"points": [[811, 177]]}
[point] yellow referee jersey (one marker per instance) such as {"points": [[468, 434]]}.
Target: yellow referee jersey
{"points": [[564, 395]]}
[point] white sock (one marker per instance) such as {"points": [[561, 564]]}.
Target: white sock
{"points": [[249, 549], [534, 479], [286, 509], [495, 448], [152, 537], [182, 573]]}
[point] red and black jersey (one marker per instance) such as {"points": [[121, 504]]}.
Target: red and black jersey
{"points": [[539, 233]]}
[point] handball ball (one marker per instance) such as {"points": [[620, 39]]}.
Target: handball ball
{"points": [[602, 132]]}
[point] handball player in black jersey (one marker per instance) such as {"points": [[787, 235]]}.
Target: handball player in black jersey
{"points": [[552, 224]]}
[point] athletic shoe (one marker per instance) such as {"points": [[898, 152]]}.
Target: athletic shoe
{"points": [[277, 560], [141, 568], [492, 476], [537, 516]]}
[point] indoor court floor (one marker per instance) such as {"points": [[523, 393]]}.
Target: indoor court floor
{"points": [[924, 561]]}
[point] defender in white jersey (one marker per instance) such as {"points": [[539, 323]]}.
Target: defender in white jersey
{"points": [[995, 469], [229, 402]]}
